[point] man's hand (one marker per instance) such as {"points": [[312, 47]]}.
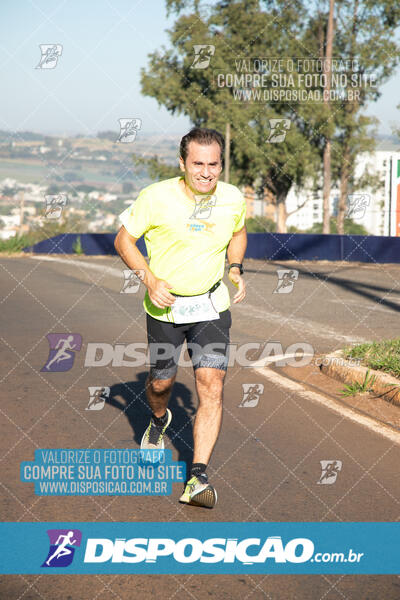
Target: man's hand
{"points": [[237, 280], [159, 294]]}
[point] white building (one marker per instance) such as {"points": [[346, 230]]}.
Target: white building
{"points": [[377, 210], [9, 226]]}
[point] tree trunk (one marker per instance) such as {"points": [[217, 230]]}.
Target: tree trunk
{"points": [[344, 184], [281, 214], [21, 211], [327, 148], [227, 151], [347, 165], [326, 194]]}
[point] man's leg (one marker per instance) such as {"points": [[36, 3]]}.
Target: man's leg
{"points": [[164, 343], [210, 361], [158, 392], [209, 386]]}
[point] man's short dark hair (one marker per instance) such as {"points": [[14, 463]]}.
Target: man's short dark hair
{"points": [[204, 136]]}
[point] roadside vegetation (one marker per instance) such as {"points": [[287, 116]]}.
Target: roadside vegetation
{"points": [[41, 232], [352, 389], [382, 356]]}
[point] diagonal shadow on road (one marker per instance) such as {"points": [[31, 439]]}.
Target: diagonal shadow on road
{"points": [[360, 288], [130, 398]]}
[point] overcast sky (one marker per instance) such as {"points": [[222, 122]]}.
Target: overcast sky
{"points": [[97, 78]]}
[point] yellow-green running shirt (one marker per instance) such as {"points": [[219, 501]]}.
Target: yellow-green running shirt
{"points": [[186, 246]]}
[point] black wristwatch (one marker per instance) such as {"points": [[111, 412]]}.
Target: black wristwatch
{"points": [[238, 265]]}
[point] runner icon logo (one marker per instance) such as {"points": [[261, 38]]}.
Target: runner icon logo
{"points": [[62, 547], [202, 56], [286, 280], [132, 281], [98, 397], [251, 394], [62, 351], [279, 129], [50, 55], [203, 207], [357, 204], [330, 470], [128, 130], [54, 206]]}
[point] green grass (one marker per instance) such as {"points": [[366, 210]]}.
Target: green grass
{"points": [[382, 356], [16, 243], [45, 231], [77, 246], [359, 388]]}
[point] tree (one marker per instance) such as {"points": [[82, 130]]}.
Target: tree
{"points": [[260, 225], [327, 146], [366, 34], [364, 31], [230, 27], [157, 169], [350, 228]]}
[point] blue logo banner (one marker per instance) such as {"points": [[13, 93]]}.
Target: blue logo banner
{"points": [[213, 548]]}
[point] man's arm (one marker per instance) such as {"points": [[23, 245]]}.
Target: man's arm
{"points": [[125, 245], [235, 252]]}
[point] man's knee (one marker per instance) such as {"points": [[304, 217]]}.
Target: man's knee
{"points": [[160, 386], [211, 379]]}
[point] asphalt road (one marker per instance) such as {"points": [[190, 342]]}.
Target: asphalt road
{"points": [[267, 461]]}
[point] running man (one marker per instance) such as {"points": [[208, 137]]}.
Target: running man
{"points": [[186, 297], [62, 346], [99, 396], [62, 549]]}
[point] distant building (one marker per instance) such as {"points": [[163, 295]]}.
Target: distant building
{"points": [[378, 211], [259, 204], [10, 225], [311, 207]]}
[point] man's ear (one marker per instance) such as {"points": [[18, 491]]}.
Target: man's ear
{"points": [[182, 164]]}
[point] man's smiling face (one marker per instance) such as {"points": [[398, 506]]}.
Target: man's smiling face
{"points": [[202, 167]]}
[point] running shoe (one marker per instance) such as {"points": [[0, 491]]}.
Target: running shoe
{"points": [[153, 436], [199, 492]]}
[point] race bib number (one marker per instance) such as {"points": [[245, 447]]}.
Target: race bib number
{"points": [[193, 309]]}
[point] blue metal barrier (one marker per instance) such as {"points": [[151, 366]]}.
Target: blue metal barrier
{"points": [[92, 244], [269, 246]]}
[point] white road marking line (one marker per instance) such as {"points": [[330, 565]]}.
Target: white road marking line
{"points": [[344, 411], [81, 263]]}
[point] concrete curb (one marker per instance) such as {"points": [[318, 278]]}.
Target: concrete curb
{"points": [[385, 386]]}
